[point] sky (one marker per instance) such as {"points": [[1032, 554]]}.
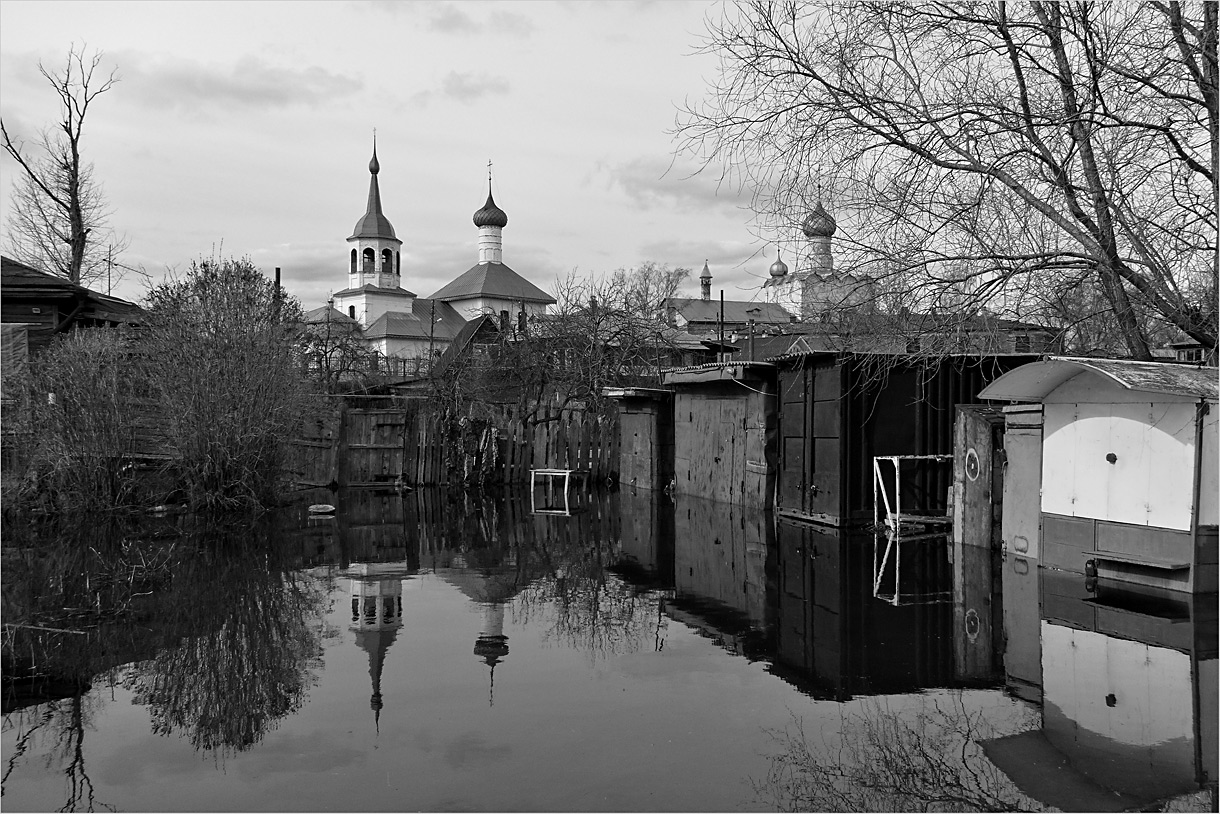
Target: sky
{"points": [[246, 128]]}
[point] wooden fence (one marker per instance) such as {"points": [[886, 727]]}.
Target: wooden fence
{"points": [[413, 446]]}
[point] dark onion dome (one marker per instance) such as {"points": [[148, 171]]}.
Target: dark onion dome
{"points": [[490, 214], [819, 223], [778, 268], [374, 166]]}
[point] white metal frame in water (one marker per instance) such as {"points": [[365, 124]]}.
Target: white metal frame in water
{"points": [[890, 526]]}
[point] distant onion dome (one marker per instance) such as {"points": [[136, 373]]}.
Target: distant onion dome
{"points": [[779, 268], [819, 223], [490, 214], [374, 167]]}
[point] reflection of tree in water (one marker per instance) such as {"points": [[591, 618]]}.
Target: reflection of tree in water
{"points": [[925, 757], [586, 607], [63, 723], [254, 661]]}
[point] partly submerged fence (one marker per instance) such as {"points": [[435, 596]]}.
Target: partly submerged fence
{"points": [[414, 446]]}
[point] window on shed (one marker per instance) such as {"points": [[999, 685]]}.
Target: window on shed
{"points": [[1021, 343], [913, 345]]}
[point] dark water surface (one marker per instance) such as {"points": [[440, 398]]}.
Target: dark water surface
{"points": [[435, 651]]}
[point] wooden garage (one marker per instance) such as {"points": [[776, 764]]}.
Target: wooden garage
{"points": [[724, 428], [838, 411]]}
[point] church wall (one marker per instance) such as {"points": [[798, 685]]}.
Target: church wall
{"points": [[469, 309]]}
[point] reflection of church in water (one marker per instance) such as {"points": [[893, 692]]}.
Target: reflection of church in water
{"points": [[376, 616], [377, 610]]}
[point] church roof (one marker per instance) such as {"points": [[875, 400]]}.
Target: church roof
{"points": [[492, 280], [320, 316], [397, 291], [374, 224], [414, 324]]}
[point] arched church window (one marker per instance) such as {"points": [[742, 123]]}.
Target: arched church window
{"points": [[353, 261], [398, 262], [351, 311], [387, 261], [370, 261]]}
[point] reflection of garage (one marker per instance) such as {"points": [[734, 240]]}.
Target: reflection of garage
{"points": [[723, 417]]}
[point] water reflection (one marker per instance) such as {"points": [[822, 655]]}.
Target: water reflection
{"points": [[1129, 697], [889, 659]]}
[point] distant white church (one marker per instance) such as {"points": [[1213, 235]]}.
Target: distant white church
{"points": [[396, 322]]}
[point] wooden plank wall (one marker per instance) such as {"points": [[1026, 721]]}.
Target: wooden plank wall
{"points": [[412, 446]]}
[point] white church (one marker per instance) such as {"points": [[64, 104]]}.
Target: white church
{"points": [[398, 324]]}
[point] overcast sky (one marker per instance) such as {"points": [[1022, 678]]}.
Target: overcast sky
{"points": [[249, 125]]}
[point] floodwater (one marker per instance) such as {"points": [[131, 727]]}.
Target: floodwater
{"points": [[441, 652]]}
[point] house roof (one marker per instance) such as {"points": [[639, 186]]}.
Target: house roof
{"points": [[415, 324], [1034, 381], [464, 338], [700, 310], [492, 280], [20, 280], [17, 278]]}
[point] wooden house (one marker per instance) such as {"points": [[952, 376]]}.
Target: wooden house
{"points": [[35, 305], [840, 411], [1129, 472], [723, 426]]}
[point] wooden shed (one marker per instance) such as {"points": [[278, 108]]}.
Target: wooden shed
{"points": [[646, 433], [724, 428], [1129, 479], [838, 411]]}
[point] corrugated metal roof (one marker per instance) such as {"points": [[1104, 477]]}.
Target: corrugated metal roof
{"points": [[416, 324], [700, 310], [713, 372], [492, 280], [1033, 382]]}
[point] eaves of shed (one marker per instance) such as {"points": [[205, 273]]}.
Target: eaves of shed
{"points": [[1034, 381]]}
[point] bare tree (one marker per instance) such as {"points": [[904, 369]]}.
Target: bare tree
{"points": [[58, 218], [983, 151], [603, 331]]}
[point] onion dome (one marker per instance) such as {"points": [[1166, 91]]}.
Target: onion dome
{"points": [[374, 166], [778, 268], [490, 214], [819, 223]]}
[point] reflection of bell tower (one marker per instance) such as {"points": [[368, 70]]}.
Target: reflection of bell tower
{"points": [[376, 618], [492, 644]]}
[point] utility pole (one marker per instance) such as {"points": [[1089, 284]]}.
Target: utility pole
{"points": [[431, 335], [109, 266], [720, 329]]}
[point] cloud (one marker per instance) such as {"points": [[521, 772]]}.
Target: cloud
{"points": [[251, 82], [464, 88], [447, 18], [455, 18], [653, 183]]}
